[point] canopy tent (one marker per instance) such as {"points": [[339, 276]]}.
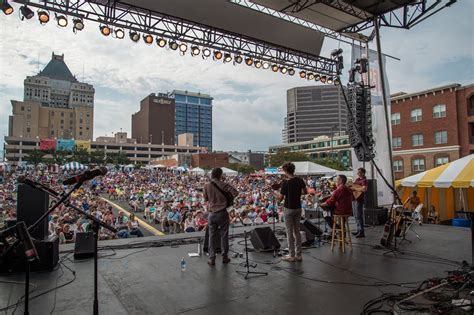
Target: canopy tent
{"points": [[447, 188], [198, 171], [73, 166], [229, 172], [310, 168], [158, 166]]}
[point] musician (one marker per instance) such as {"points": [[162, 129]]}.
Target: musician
{"points": [[340, 200], [218, 216], [291, 190], [358, 203], [413, 201]]}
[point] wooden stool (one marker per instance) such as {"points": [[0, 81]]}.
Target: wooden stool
{"points": [[341, 239]]}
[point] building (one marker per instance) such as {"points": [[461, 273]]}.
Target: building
{"points": [[255, 159], [431, 128], [186, 139], [118, 137], [337, 147], [154, 122], [55, 105], [175, 160], [194, 115], [210, 160], [314, 111]]}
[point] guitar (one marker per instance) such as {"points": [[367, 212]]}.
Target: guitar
{"points": [[389, 229], [355, 193]]}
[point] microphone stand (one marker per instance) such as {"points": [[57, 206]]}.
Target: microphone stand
{"points": [[247, 264]]}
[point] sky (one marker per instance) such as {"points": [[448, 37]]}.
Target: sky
{"points": [[249, 103]]}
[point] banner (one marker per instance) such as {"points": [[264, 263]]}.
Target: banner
{"points": [[382, 157], [65, 145], [47, 144], [83, 144]]}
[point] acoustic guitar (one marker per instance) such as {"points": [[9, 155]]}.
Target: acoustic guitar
{"points": [[355, 193], [389, 229]]}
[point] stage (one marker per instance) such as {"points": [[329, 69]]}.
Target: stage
{"points": [[149, 280]]}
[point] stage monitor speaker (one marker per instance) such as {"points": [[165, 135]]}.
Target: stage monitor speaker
{"points": [[217, 242], [48, 252], [31, 205], [84, 245], [311, 214], [370, 197], [263, 239], [315, 230], [376, 216]]}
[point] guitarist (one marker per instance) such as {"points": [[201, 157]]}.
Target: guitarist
{"points": [[358, 203]]}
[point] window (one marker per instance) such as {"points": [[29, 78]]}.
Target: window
{"points": [[416, 115], [28, 129], [441, 160], [23, 108], [439, 111], [396, 119], [62, 114], [396, 142], [441, 137], [418, 165], [398, 166], [417, 140]]}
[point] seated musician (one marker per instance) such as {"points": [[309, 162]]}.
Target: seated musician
{"points": [[413, 201], [432, 215], [341, 199]]}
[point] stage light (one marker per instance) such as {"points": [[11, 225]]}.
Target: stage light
{"points": [[258, 64], [206, 52], [134, 36], [161, 42], [61, 20], [7, 8], [148, 39], [217, 55], [274, 68], [183, 47], [173, 45], [266, 65], [26, 12], [43, 17], [227, 58], [283, 70], [310, 76], [291, 71], [337, 81], [105, 30], [238, 58], [330, 80], [248, 61], [317, 77], [195, 50], [302, 74], [119, 33], [323, 79], [78, 25]]}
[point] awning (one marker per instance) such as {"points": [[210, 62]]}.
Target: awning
{"points": [[73, 166]]}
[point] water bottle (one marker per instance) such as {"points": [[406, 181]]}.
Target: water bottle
{"points": [[183, 264], [199, 248]]}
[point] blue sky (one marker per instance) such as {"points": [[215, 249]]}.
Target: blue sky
{"points": [[249, 104]]}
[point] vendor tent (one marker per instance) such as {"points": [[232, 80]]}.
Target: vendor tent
{"points": [[310, 168], [448, 187], [73, 166], [198, 171], [229, 172]]}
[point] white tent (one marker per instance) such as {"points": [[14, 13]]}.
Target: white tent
{"points": [[198, 171], [310, 168], [73, 166], [229, 172]]}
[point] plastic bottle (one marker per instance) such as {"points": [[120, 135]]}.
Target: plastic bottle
{"points": [[183, 264], [199, 248]]}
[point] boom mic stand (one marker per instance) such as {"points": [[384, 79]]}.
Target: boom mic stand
{"points": [[247, 264]]}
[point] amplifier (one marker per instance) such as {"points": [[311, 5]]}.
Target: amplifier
{"points": [[375, 216]]}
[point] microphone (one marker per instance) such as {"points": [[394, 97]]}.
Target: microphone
{"points": [[23, 235], [87, 175]]}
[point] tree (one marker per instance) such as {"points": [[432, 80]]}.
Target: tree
{"points": [[81, 155], [97, 157], [242, 168], [35, 157], [282, 157], [331, 163], [119, 158]]}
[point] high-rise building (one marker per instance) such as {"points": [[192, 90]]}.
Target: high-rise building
{"points": [[55, 105], [155, 122], [314, 111], [194, 115]]}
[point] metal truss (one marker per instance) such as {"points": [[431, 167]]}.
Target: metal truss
{"points": [[120, 15]]}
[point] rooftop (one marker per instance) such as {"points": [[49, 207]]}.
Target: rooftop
{"points": [[57, 69]]}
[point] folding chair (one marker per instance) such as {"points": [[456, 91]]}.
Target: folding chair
{"points": [[416, 217]]}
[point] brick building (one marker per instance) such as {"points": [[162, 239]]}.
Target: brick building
{"points": [[431, 128], [210, 160]]}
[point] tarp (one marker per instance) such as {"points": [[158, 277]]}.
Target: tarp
{"points": [[310, 168], [198, 170], [73, 166], [65, 145], [273, 171], [83, 144], [47, 144], [229, 172]]}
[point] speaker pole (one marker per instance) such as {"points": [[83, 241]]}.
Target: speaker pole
{"points": [[96, 241], [247, 264], [27, 286]]}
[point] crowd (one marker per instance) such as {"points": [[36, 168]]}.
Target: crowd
{"points": [[172, 201]]}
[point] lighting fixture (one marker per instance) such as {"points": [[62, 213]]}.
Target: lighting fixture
{"points": [[26, 12], [195, 50], [134, 36], [105, 30], [43, 17], [78, 25], [161, 42], [337, 81], [61, 20], [274, 68], [238, 58], [302, 74], [206, 52], [227, 58], [183, 47], [248, 61], [317, 77], [291, 71], [7, 8], [323, 79], [119, 33], [330, 80], [266, 65], [310, 76], [283, 70], [148, 39], [173, 45], [258, 64], [217, 55]]}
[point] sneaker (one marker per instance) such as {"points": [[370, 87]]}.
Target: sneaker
{"points": [[355, 233], [299, 258], [225, 260], [288, 258], [211, 262]]}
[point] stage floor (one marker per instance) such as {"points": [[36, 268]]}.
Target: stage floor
{"points": [[149, 280]]}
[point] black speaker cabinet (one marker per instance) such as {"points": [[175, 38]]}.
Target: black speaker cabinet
{"points": [[31, 205], [263, 239], [375, 216], [370, 197], [314, 229], [48, 252], [84, 245], [217, 242]]}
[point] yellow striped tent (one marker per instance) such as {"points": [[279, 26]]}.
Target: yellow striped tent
{"points": [[449, 187]]}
